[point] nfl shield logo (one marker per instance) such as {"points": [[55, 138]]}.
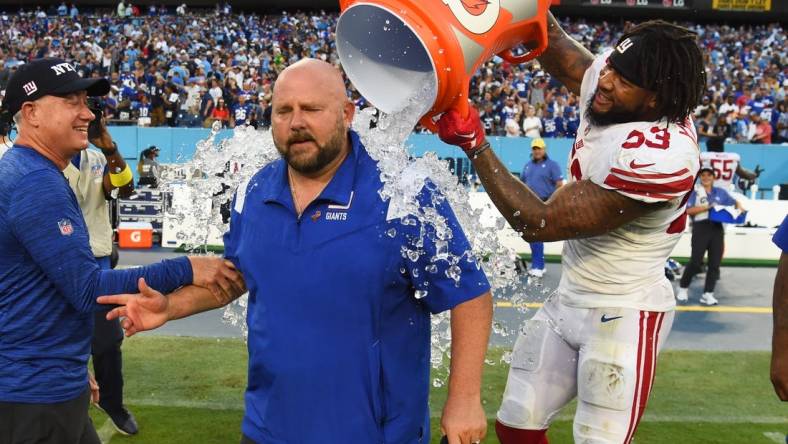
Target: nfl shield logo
{"points": [[65, 227]]}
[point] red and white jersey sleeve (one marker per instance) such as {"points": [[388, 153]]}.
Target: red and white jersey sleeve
{"points": [[651, 162]]}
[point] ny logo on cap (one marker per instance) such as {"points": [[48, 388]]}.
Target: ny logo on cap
{"points": [[30, 88], [61, 68], [623, 46]]}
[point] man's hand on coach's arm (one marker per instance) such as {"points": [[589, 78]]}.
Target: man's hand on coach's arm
{"points": [[216, 283], [219, 276]]}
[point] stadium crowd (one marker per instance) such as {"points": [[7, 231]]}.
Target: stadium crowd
{"points": [[179, 67]]}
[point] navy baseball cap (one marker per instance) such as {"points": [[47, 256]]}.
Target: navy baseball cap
{"points": [[46, 77]]}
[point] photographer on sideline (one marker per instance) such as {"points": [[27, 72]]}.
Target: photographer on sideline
{"points": [[93, 176]]}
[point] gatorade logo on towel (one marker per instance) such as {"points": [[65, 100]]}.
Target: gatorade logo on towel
{"points": [[477, 16]]}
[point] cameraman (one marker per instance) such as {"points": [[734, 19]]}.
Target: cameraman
{"points": [[93, 176]]}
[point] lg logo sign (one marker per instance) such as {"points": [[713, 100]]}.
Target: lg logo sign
{"points": [[135, 236]]}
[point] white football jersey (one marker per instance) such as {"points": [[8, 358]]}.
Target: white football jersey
{"points": [[724, 166], [653, 162]]}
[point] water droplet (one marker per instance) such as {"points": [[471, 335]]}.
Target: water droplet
{"points": [[392, 232], [437, 382], [419, 294], [516, 213], [216, 127]]}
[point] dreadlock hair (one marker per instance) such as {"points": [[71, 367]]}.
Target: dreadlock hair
{"points": [[672, 66]]}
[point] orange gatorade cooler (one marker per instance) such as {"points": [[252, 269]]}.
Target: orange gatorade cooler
{"points": [[394, 50], [135, 235]]}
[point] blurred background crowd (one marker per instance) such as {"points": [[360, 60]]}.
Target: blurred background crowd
{"points": [[177, 66]]}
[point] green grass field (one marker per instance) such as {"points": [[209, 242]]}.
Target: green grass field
{"points": [[188, 390]]}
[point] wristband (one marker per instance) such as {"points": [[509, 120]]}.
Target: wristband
{"points": [[109, 152], [475, 152], [121, 179]]}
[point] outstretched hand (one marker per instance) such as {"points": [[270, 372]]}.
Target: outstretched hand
{"points": [[464, 132], [143, 311]]}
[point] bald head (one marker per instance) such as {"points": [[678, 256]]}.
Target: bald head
{"points": [[321, 75]]}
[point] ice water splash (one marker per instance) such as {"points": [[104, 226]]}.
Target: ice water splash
{"points": [[404, 177], [205, 184], [202, 190]]}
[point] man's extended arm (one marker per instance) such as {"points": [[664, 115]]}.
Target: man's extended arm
{"points": [[149, 309], [779, 365], [463, 418], [565, 58], [578, 209], [747, 174]]}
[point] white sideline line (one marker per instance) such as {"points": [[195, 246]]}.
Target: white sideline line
{"points": [[106, 432], [436, 414], [209, 405], [775, 437]]}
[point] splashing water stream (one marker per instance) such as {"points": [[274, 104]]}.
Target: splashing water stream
{"points": [[202, 185]]}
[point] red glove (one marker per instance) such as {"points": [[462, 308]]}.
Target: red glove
{"points": [[464, 132]]}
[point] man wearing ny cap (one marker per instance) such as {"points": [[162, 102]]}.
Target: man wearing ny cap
{"points": [[631, 167], [49, 278]]}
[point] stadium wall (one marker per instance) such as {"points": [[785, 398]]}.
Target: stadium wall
{"points": [[177, 145]]}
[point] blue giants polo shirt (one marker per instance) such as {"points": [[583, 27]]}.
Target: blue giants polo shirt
{"points": [[541, 177], [339, 346]]}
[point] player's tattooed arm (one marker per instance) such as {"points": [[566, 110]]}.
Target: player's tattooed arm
{"points": [[565, 58], [578, 209]]}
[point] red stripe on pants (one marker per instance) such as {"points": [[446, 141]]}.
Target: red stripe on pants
{"points": [[646, 366]]}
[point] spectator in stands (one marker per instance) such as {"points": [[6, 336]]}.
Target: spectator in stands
{"points": [[536, 94], [532, 125], [707, 235], [206, 110], [572, 122], [762, 129], [171, 103], [221, 113], [543, 176], [553, 125], [782, 123], [717, 134]]}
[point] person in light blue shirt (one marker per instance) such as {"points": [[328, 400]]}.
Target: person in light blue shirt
{"points": [[341, 288], [543, 176]]}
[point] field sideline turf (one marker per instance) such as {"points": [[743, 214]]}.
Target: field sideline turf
{"points": [[190, 390]]}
